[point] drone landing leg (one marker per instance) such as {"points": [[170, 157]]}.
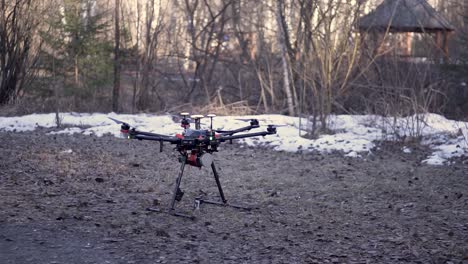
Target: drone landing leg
{"points": [[177, 194], [223, 201], [218, 183]]}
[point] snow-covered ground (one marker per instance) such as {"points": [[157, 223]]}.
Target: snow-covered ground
{"points": [[354, 135]]}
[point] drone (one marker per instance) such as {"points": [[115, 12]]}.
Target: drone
{"points": [[195, 147]]}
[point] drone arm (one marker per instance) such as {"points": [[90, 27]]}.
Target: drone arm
{"points": [[149, 134], [172, 140], [253, 124], [256, 134], [232, 132]]}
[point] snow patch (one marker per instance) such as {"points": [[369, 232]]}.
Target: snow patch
{"points": [[354, 135], [406, 150], [68, 151]]}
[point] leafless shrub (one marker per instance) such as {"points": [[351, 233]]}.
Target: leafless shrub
{"points": [[333, 59], [403, 92], [18, 22], [236, 108]]}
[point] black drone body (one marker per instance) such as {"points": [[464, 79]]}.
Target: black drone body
{"points": [[196, 147]]}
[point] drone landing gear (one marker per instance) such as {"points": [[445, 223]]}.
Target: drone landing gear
{"points": [[223, 202], [178, 193], [199, 201]]}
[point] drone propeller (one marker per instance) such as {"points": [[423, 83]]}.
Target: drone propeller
{"points": [[273, 125], [245, 119], [253, 121], [117, 121], [187, 119], [124, 128], [196, 117], [124, 125]]}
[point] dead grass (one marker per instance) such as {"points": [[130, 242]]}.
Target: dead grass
{"points": [[236, 108], [217, 107]]}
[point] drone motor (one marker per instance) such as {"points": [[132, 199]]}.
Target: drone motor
{"points": [[185, 122], [124, 130]]}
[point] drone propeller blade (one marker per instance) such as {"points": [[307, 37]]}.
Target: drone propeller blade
{"points": [[253, 121], [117, 121], [196, 116], [191, 121], [245, 119], [273, 125]]}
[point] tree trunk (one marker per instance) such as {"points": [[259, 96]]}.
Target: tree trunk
{"points": [[116, 90], [56, 94], [138, 62], [77, 71], [284, 57], [148, 57]]}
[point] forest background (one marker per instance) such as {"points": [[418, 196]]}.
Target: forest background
{"points": [[293, 57]]}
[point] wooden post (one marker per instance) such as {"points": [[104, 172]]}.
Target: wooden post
{"points": [[409, 43], [378, 40], [253, 45], [446, 46], [362, 40], [438, 43]]}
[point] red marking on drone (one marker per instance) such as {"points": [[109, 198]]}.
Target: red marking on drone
{"points": [[192, 159]]}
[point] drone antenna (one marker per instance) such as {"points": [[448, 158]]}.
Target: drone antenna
{"points": [[211, 119], [197, 121]]}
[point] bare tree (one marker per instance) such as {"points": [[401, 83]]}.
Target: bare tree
{"points": [[206, 29], [137, 54], [288, 56], [153, 29], [330, 49], [16, 36]]}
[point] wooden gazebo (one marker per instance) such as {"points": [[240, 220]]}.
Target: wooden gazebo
{"points": [[407, 16]]}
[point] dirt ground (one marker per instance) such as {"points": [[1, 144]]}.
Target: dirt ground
{"points": [[83, 199]]}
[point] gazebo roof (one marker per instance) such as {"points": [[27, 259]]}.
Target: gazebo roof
{"points": [[404, 16]]}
